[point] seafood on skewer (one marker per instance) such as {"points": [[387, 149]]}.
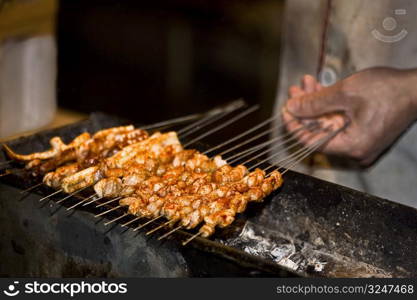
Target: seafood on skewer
{"points": [[84, 150], [156, 145]]}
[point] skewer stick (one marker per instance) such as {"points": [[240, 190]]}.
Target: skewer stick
{"points": [[252, 158], [169, 233], [184, 119], [171, 122], [251, 150], [6, 162], [288, 159], [210, 118], [50, 195], [299, 153], [295, 158], [314, 148], [258, 147], [201, 124], [147, 223], [31, 188], [278, 153], [286, 168], [191, 238], [161, 226], [72, 194], [93, 200], [110, 201], [114, 220], [107, 211], [81, 202], [248, 141], [272, 129], [278, 145], [296, 143], [244, 134], [131, 221], [224, 124], [298, 156]]}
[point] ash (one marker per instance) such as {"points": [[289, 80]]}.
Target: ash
{"points": [[265, 243]]}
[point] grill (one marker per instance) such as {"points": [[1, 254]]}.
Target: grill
{"points": [[307, 228]]}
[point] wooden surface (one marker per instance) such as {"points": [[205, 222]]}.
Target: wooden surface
{"points": [[62, 117], [27, 18]]}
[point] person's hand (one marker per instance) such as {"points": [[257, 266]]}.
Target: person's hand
{"points": [[380, 104]]}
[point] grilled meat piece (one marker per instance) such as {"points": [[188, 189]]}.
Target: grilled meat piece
{"points": [[57, 147]]}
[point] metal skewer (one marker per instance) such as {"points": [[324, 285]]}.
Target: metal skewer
{"points": [[31, 188], [114, 220], [209, 119], [171, 122], [301, 158], [296, 157], [147, 223], [131, 221], [191, 238], [292, 160], [239, 155], [72, 194], [169, 233], [314, 148], [81, 202], [184, 119], [249, 140], [277, 145], [244, 134], [110, 201], [252, 158], [291, 146], [230, 121], [300, 152], [50, 195], [259, 146], [278, 153], [93, 200], [107, 211], [161, 226]]}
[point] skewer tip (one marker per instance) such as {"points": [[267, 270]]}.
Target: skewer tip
{"points": [[131, 221], [191, 238], [31, 188], [160, 226], [169, 233], [50, 195], [147, 223]]}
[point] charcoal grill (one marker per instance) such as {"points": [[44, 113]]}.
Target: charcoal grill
{"points": [[308, 228]]}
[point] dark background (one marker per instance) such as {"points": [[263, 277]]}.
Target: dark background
{"points": [[154, 60]]}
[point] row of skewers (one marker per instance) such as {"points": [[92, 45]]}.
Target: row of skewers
{"points": [[155, 177], [152, 175]]}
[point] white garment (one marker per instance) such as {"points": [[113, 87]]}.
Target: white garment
{"points": [[332, 40]]}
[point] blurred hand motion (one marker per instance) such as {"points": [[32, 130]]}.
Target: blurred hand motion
{"points": [[378, 103]]}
